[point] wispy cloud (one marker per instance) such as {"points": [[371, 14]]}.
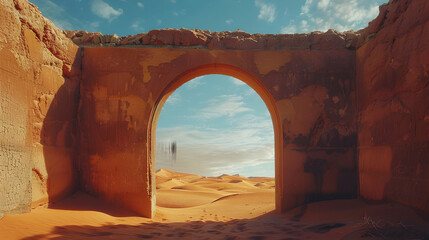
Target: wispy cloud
{"points": [[94, 25], [291, 28], [57, 15], [236, 81], [229, 21], [195, 82], [267, 11], [225, 105], [181, 12], [104, 10], [139, 4], [323, 4], [341, 15], [211, 152], [173, 99], [137, 26], [306, 7]]}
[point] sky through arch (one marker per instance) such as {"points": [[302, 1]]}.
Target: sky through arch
{"points": [[220, 125]]}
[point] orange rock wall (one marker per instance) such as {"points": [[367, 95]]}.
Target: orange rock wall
{"points": [[393, 99], [312, 93], [86, 117], [38, 106]]}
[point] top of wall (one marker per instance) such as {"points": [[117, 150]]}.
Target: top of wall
{"points": [[18, 18], [196, 38], [395, 19]]}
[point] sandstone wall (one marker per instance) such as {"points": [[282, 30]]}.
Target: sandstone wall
{"points": [[325, 98], [310, 84], [393, 99], [39, 80]]}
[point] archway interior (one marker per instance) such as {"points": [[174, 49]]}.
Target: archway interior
{"points": [[220, 126], [214, 139]]}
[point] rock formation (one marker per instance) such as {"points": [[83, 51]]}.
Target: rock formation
{"points": [[39, 84], [349, 109], [393, 100], [196, 38]]}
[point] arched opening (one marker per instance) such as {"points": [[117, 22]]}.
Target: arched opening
{"points": [[252, 82]]}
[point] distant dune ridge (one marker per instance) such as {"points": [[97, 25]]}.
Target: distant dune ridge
{"points": [[190, 190]]}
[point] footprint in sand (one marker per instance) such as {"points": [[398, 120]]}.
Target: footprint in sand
{"points": [[323, 228]]}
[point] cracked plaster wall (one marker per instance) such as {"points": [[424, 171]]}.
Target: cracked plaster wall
{"points": [[322, 115], [393, 97], [313, 91], [38, 106]]}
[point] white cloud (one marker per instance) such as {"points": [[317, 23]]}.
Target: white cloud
{"points": [[212, 152], [229, 21], [137, 26], [173, 1], [181, 12], [225, 105], [237, 82], [267, 11], [94, 25], [341, 15], [306, 7], [323, 4], [57, 15], [289, 29], [173, 99], [159, 21], [62, 24], [194, 82], [104, 10], [304, 25], [139, 4]]}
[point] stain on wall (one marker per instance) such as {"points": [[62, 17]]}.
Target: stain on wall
{"points": [[350, 109], [393, 97], [313, 91]]}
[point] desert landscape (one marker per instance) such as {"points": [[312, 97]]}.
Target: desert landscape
{"points": [[225, 207], [79, 113]]}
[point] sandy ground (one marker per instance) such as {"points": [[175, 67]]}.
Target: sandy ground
{"points": [[225, 207]]}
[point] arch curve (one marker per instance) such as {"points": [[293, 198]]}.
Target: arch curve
{"points": [[250, 80]]}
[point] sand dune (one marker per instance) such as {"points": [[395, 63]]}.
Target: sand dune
{"points": [[190, 190], [225, 207]]}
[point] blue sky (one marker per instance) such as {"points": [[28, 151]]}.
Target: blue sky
{"points": [[129, 17], [220, 124]]}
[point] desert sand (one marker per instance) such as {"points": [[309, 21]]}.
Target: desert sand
{"points": [[225, 207]]}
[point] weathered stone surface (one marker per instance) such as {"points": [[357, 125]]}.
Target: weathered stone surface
{"points": [[38, 102], [393, 87], [221, 40], [310, 94], [333, 107]]}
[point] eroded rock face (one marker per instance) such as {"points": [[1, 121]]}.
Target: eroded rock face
{"points": [[393, 97], [197, 38], [325, 103], [38, 103]]}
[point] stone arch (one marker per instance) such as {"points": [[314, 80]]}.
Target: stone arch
{"points": [[250, 80]]}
